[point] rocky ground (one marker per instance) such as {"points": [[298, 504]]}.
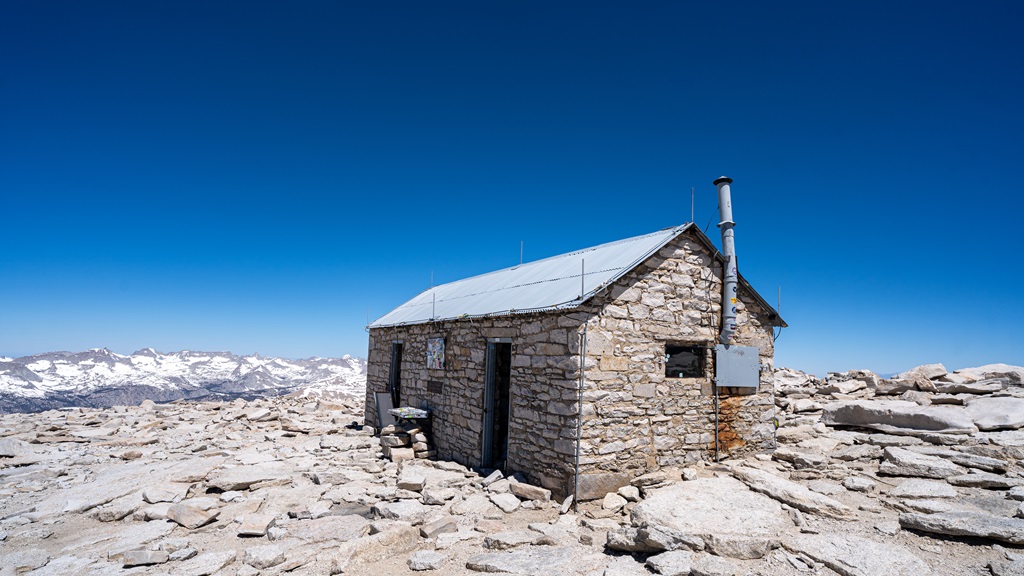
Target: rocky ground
{"points": [[910, 476]]}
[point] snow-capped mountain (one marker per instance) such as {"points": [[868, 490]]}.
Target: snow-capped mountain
{"points": [[101, 378]]}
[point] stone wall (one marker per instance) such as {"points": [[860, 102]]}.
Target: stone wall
{"points": [[635, 420], [542, 430]]}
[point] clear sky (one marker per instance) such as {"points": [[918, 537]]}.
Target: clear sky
{"points": [[263, 176]]}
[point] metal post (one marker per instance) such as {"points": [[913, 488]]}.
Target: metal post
{"points": [[714, 383], [579, 420]]}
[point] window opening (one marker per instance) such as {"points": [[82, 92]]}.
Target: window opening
{"points": [[684, 361]]}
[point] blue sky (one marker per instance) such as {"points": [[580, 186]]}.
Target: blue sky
{"points": [[261, 177]]}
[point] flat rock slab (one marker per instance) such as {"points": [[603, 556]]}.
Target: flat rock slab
{"points": [[984, 480], [534, 560], [510, 539], [206, 564], [967, 524], [328, 528], [190, 516], [675, 563], [242, 477], [855, 556], [507, 502], [996, 412], [1013, 373], [791, 493], [964, 458], [719, 509], [426, 560], [980, 387], [903, 462], [917, 488], [899, 417], [411, 511]]}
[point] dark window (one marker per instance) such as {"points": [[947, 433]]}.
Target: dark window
{"points": [[395, 376], [684, 361]]}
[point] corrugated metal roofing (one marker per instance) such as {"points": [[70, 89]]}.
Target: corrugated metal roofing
{"points": [[549, 284]]}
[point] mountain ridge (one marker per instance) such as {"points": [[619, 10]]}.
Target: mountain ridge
{"points": [[100, 378]]}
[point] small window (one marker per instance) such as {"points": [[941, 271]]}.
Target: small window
{"points": [[684, 361]]}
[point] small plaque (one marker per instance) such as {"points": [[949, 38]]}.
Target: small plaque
{"points": [[434, 386]]}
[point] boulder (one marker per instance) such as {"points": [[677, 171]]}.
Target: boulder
{"points": [[507, 502], [613, 502], [191, 516], [439, 526], [899, 417], [996, 412], [926, 371], [255, 525], [411, 481], [426, 560], [596, 485], [530, 492], [674, 563]]}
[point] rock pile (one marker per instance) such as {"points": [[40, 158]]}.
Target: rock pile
{"points": [[286, 485], [406, 440]]}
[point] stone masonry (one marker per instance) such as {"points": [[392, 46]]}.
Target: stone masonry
{"points": [[635, 419]]}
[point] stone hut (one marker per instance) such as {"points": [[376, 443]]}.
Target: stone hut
{"points": [[600, 362]]}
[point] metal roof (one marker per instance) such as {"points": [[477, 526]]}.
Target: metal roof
{"points": [[550, 284]]}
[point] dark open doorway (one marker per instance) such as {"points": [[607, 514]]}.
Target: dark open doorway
{"points": [[395, 375], [496, 404]]}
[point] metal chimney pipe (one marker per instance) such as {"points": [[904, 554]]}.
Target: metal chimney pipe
{"points": [[730, 279]]}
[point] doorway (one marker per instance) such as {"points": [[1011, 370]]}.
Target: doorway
{"points": [[395, 374], [496, 403]]}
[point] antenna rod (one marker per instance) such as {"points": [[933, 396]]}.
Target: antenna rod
{"points": [[583, 276]]}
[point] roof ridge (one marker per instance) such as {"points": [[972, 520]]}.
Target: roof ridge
{"points": [[564, 254]]}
